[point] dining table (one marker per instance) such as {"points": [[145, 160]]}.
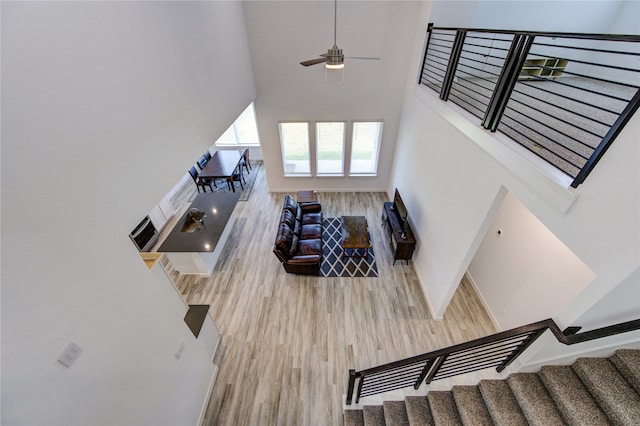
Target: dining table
{"points": [[222, 166]]}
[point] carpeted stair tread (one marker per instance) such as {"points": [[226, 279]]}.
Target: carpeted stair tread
{"points": [[395, 413], [373, 415], [353, 418], [471, 406], [615, 396], [627, 362], [418, 411], [534, 400], [501, 403], [572, 398], [443, 408]]}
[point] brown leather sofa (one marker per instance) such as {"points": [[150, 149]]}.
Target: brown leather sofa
{"points": [[299, 240]]}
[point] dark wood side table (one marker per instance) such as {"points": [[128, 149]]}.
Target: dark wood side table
{"points": [[306, 196]]}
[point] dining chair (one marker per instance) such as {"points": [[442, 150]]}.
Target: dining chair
{"points": [[200, 183], [202, 162], [238, 176], [245, 160], [207, 155]]}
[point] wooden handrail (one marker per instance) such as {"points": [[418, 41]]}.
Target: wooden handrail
{"points": [[516, 340]]}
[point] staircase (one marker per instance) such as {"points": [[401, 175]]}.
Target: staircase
{"points": [[592, 391]]}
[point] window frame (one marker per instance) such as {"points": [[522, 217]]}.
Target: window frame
{"points": [[377, 149], [340, 173], [233, 127], [282, 150]]}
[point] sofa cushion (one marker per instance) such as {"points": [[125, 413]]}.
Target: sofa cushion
{"points": [[283, 238], [311, 231], [310, 218], [289, 218], [294, 245], [290, 204], [297, 227], [308, 247]]}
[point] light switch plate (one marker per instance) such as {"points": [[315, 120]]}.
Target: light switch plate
{"points": [[70, 354]]}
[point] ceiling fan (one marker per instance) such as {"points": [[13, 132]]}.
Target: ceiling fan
{"points": [[334, 57]]}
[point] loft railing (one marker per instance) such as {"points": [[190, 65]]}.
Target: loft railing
{"points": [[563, 96], [497, 350]]}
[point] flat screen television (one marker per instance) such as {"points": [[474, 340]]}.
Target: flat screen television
{"points": [[400, 209]]}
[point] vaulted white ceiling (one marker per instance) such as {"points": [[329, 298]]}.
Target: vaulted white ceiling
{"points": [[284, 33]]}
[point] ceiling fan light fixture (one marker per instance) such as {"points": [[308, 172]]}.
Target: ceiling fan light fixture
{"points": [[335, 66]]}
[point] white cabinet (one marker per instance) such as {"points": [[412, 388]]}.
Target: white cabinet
{"points": [[161, 213]]}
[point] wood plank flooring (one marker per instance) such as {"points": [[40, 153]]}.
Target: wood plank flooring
{"points": [[290, 340]]}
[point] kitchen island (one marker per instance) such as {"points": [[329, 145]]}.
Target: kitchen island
{"points": [[195, 243]]}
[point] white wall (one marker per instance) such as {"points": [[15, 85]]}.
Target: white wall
{"points": [[372, 90], [620, 304], [522, 271], [105, 105], [451, 185]]}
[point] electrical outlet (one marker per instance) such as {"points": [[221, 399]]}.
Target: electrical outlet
{"points": [[70, 354]]}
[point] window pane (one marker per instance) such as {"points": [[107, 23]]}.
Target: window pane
{"points": [[246, 127], [330, 147], [243, 131], [228, 137], [365, 147], [294, 138]]}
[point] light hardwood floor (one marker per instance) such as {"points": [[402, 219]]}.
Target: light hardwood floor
{"points": [[290, 340]]}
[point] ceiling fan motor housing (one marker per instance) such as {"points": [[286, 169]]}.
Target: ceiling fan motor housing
{"points": [[335, 56]]}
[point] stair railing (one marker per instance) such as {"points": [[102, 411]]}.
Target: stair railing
{"points": [[497, 350]]}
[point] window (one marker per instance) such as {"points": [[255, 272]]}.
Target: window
{"points": [[294, 139], [330, 148], [243, 131], [365, 146]]}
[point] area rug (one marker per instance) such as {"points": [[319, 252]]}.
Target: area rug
{"points": [[333, 264], [256, 168]]}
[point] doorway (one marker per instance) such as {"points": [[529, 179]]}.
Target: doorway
{"points": [[522, 272]]}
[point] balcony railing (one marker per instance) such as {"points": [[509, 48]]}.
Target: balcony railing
{"points": [[563, 96]]}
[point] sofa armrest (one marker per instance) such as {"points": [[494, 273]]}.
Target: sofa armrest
{"points": [[306, 259], [312, 207]]}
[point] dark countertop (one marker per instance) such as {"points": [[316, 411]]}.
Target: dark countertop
{"points": [[218, 207]]}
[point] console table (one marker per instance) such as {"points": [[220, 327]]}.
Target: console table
{"points": [[402, 248]]}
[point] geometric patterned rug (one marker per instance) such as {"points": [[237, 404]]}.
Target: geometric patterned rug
{"points": [[333, 263]]}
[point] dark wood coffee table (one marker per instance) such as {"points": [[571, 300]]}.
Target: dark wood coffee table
{"points": [[355, 235]]}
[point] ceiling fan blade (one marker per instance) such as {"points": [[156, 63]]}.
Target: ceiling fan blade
{"points": [[313, 61], [361, 57]]}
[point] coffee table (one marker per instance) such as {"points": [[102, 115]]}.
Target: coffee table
{"points": [[355, 236]]}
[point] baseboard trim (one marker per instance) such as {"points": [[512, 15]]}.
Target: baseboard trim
{"points": [[600, 351], [483, 301], [205, 404], [426, 296]]}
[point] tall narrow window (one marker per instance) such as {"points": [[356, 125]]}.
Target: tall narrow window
{"points": [[243, 131], [365, 147], [330, 148], [294, 139]]}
